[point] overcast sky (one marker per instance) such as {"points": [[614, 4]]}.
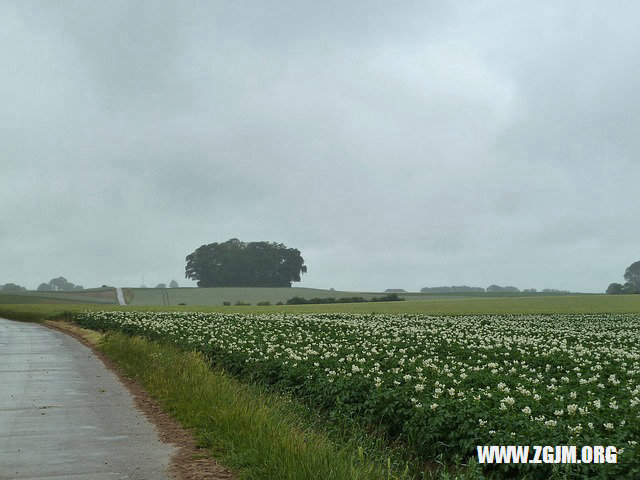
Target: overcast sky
{"points": [[396, 145]]}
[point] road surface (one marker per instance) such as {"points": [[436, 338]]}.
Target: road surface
{"points": [[64, 415], [120, 296]]}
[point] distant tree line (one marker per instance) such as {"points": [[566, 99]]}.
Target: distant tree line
{"points": [[59, 284], [453, 289], [632, 284], [490, 289]]}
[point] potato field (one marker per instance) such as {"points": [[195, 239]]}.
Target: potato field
{"points": [[439, 386]]}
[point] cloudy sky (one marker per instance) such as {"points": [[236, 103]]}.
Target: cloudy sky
{"points": [[397, 145]]}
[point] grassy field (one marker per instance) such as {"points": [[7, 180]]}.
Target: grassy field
{"points": [[93, 295], [453, 306], [253, 295], [257, 434], [208, 299]]}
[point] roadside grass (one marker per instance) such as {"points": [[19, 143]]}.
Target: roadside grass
{"points": [[258, 434]]}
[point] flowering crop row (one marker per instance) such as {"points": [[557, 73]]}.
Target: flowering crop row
{"points": [[442, 385]]}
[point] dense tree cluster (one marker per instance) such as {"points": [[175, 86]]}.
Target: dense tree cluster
{"points": [[238, 264], [632, 284]]}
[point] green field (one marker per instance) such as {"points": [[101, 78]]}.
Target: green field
{"points": [[419, 302], [93, 295], [253, 295], [452, 305]]}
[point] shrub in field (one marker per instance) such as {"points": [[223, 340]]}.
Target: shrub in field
{"points": [[297, 301], [392, 297], [614, 289], [351, 300]]}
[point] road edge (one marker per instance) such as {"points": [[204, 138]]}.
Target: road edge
{"points": [[189, 462]]}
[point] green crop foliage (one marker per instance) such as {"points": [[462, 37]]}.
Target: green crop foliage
{"points": [[439, 386], [258, 435]]}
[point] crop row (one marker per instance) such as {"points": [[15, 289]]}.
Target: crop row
{"points": [[440, 385]]}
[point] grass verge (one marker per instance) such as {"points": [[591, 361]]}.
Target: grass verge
{"points": [[253, 432]]}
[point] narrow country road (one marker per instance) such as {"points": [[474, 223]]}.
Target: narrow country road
{"points": [[63, 414], [120, 296]]}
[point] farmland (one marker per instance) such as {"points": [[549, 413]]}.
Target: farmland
{"points": [[93, 295], [56, 304], [253, 295], [439, 385], [212, 297]]}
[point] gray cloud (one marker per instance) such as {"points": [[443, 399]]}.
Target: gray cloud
{"points": [[432, 144]]}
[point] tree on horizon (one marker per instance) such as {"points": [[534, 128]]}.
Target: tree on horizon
{"points": [[238, 264]]}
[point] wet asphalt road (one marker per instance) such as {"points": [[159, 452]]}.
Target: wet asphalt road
{"points": [[64, 415]]}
